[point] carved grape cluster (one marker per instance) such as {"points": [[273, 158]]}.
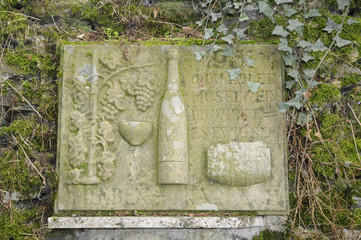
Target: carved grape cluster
{"points": [[144, 95], [112, 103], [77, 151], [105, 165], [108, 109], [81, 94]]}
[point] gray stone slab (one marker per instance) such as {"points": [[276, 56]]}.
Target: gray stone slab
{"points": [[163, 222], [136, 123], [157, 234]]}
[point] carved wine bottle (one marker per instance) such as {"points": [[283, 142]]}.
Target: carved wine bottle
{"points": [[173, 137]]}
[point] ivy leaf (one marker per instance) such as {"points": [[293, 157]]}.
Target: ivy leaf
{"points": [[243, 17], [228, 52], [300, 92], [265, 8], [216, 48], [317, 46], [283, 1], [289, 59], [289, 84], [233, 73], [249, 62], [280, 31], [200, 22], [307, 57], [351, 21], [203, 5], [295, 25], [304, 44], [237, 4], [215, 16], [295, 102], [302, 2], [303, 118], [341, 42], [289, 11], [313, 83], [342, 4], [208, 33], [228, 8], [239, 33], [282, 107], [283, 46], [309, 73], [312, 13], [332, 26], [253, 86], [209, 1], [222, 29], [199, 55], [294, 74], [228, 39]]}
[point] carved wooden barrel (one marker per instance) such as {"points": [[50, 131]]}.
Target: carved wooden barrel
{"points": [[239, 164]]}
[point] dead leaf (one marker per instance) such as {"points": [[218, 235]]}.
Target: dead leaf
{"points": [[81, 36], [155, 12], [191, 31], [318, 134]]}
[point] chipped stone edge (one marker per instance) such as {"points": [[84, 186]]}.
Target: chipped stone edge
{"points": [[166, 222]]}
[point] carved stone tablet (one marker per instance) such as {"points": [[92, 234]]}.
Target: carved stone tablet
{"points": [[152, 128]]}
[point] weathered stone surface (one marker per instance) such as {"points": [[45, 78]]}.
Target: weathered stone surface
{"points": [[237, 228], [162, 222], [239, 164], [106, 162], [157, 234]]}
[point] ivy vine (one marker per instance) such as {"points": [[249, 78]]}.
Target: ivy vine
{"points": [[297, 15]]}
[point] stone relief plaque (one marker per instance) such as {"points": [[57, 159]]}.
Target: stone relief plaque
{"points": [[152, 128]]}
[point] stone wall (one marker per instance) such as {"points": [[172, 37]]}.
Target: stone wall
{"points": [[32, 31]]}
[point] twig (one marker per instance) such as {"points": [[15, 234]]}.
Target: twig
{"points": [[20, 14], [354, 141], [22, 97], [354, 114], [32, 164], [342, 59], [55, 23]]}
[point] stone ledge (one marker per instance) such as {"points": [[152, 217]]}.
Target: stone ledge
{"points": [[165, 222]]}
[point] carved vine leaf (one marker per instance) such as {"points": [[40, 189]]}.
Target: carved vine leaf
{"points": [[106, 130], [77, 120], [113, 61]]}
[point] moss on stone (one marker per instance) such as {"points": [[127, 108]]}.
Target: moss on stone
{"points": [[272, 235], [325, 93], [19, 224]]}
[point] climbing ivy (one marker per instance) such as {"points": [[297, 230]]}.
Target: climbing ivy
{"points": [[324, 160], [297, 49]]}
